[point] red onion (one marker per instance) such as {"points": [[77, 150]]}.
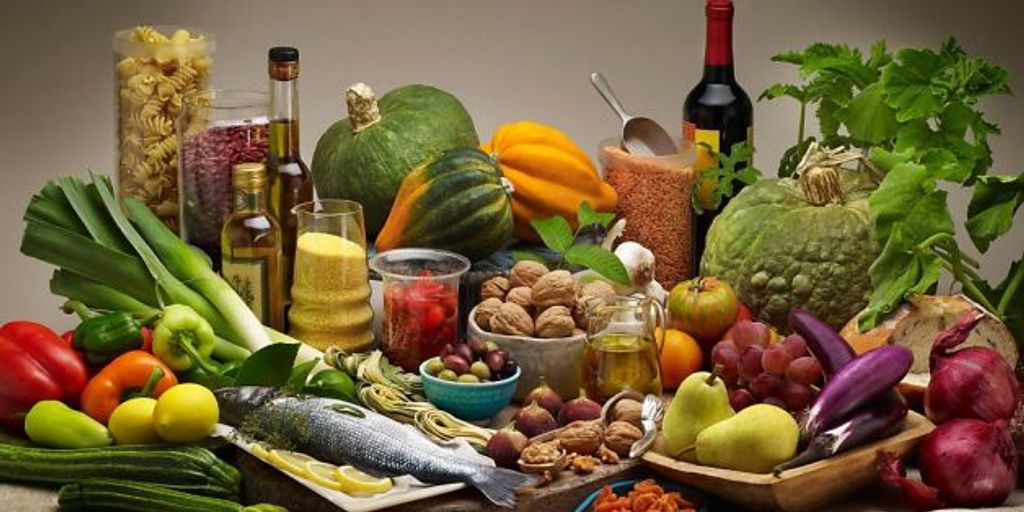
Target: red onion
{"points": [[964, 463], [974, 382]]}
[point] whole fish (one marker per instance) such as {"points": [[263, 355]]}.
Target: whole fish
{"points": [[341, 433]]}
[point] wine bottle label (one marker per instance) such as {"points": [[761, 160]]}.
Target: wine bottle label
{"points": [[248, 277], [706, 142]]}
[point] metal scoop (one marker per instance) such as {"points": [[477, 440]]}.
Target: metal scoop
{"points": [[640, 136]]}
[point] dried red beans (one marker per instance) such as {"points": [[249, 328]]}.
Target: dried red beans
{"points": [[207, 196]]}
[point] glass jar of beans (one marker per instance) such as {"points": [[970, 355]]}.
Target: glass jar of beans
{"points": [[218, 129]]}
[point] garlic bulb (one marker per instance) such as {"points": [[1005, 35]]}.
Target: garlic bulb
{"points": [[639, 263]]}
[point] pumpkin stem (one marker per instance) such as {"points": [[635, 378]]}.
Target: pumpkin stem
{"points": [[362, 107], [822, 186]]}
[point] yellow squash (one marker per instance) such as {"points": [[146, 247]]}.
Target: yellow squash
{"points": [[550, 173]]}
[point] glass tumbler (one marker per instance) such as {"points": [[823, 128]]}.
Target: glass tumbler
{"points": [[421, 302], [331, 289], [218, 129]]}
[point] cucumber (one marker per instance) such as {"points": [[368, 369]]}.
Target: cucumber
{"points": [[188, 468], [106, 494]]}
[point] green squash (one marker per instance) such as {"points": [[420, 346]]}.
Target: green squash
{"points": [[365, 156], [806, 242], [460, 203]]}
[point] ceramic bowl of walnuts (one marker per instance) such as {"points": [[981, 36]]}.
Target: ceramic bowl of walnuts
{"points": [[539, 316]]}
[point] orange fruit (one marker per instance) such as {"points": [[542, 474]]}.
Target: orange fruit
{"points": [[680, 356]]}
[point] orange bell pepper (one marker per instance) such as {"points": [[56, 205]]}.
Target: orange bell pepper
{"points": [[128, 373]]}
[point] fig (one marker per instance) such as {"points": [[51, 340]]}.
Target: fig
{"points": [[534, 420], [463, 350], [505, 446], [456, 363], [478, 348], [496, 360], [545, 397], [579, 409]]}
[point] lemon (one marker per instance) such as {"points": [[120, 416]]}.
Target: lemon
{"points": [[292, 462], [354, 481], [324, 474], [185, 413], [259, 451], [132, 422]]}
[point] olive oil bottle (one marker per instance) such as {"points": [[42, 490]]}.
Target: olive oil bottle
{"points": [[292, 182], [251, 249]]}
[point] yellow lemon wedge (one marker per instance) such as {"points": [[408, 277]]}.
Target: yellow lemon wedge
{"points": [[259, 450], [354, 481], [323, 474], [292, 462]]}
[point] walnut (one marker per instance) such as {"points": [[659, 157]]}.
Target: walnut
{"points": [[555, 322], [600, 289], [512, 319], [541, 453], [520, 295], [584, 307], [584, 464], [627, 410], [495, 287], [581, 437], [485, 311], [556, 288], [620, 436], [578, 332], [607, 456], [526, 273]]}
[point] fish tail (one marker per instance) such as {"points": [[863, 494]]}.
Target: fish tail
{"points": [[499, 485]]}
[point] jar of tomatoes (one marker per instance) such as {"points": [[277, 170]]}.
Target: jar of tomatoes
{"points": [[421, 302]]}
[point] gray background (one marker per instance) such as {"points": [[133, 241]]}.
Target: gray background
{"points": [[505, 60]]}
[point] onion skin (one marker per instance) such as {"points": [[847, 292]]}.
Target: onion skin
{"points": [[972, 463], [974, 382]]}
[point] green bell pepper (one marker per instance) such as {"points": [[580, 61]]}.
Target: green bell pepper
{"points": [[332, 383], [52, 423], [184, 339], [104, 337]]}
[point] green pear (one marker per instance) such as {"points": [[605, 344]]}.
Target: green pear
{"points": [[701, 401], [756, 439]]}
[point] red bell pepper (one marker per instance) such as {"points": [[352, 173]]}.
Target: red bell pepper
{"points": [[37, 365]]}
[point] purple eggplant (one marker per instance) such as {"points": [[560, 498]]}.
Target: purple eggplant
{"points": [[870, 423], [862, 381], [831, 350]]}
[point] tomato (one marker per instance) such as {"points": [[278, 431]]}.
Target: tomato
{"points": [[434, 317], [680, 356], [703, 307], [421, 318]]}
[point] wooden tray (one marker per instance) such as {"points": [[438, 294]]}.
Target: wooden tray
{"points": [[806, 488]]}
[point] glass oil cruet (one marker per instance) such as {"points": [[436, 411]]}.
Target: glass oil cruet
{"points": [[624, 338]]}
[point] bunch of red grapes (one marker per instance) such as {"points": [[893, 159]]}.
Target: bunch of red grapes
{"points": [[755, 370]]}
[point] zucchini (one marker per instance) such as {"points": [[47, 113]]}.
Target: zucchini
{"points": [[188, 468], [106, 494]]}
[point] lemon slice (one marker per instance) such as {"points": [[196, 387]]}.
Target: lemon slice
{"points": [[324, 474], [354, 481], [292, 462], [259, 450]]}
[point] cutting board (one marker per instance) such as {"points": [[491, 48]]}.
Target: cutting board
{"points": [[261, 483]]}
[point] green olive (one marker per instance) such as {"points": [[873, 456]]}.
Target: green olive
{"points": [[469, 377], [447, 375], [480, 370], [434, 366]]}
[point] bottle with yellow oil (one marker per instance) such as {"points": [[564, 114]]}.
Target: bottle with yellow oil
{"points": [[622, 350]]}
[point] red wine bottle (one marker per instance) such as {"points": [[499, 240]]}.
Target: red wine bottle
{"points": [[717, 112]]}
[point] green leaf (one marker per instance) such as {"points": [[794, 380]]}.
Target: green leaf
{"points": [[828, 114], [886, 159], [992, 208], [1011, 301], [268, 366], [731, 168], [879, 56], [555, 232], [901, 269], [791, 158], [908, 196], [908, 87], [944, 165], [599, 260], [869, 118], [300, 374], [86, 203], [787, 90], [586, 216], [521, 255]]}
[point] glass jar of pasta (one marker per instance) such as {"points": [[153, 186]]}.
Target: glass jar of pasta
{"points": [[155, 68]]}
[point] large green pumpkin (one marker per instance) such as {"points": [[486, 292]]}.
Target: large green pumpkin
{"points": [[806, 242], [365, 156], [460, 203]]}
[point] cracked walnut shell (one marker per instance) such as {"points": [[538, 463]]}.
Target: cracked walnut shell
{"points": [[520, 295], [495, 288], [556, 288], [526, 273], [581, 437], [555, 322], [485, 311], [512, 319], [620, 436]]}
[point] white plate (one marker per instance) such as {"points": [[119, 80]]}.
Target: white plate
{"points": [[406, 489]]}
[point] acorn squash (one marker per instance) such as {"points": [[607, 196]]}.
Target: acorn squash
{"points": [[365, 156], [460, 203], [550, 173]]}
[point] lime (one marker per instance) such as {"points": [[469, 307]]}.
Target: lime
{"points": [[354, 481]]}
